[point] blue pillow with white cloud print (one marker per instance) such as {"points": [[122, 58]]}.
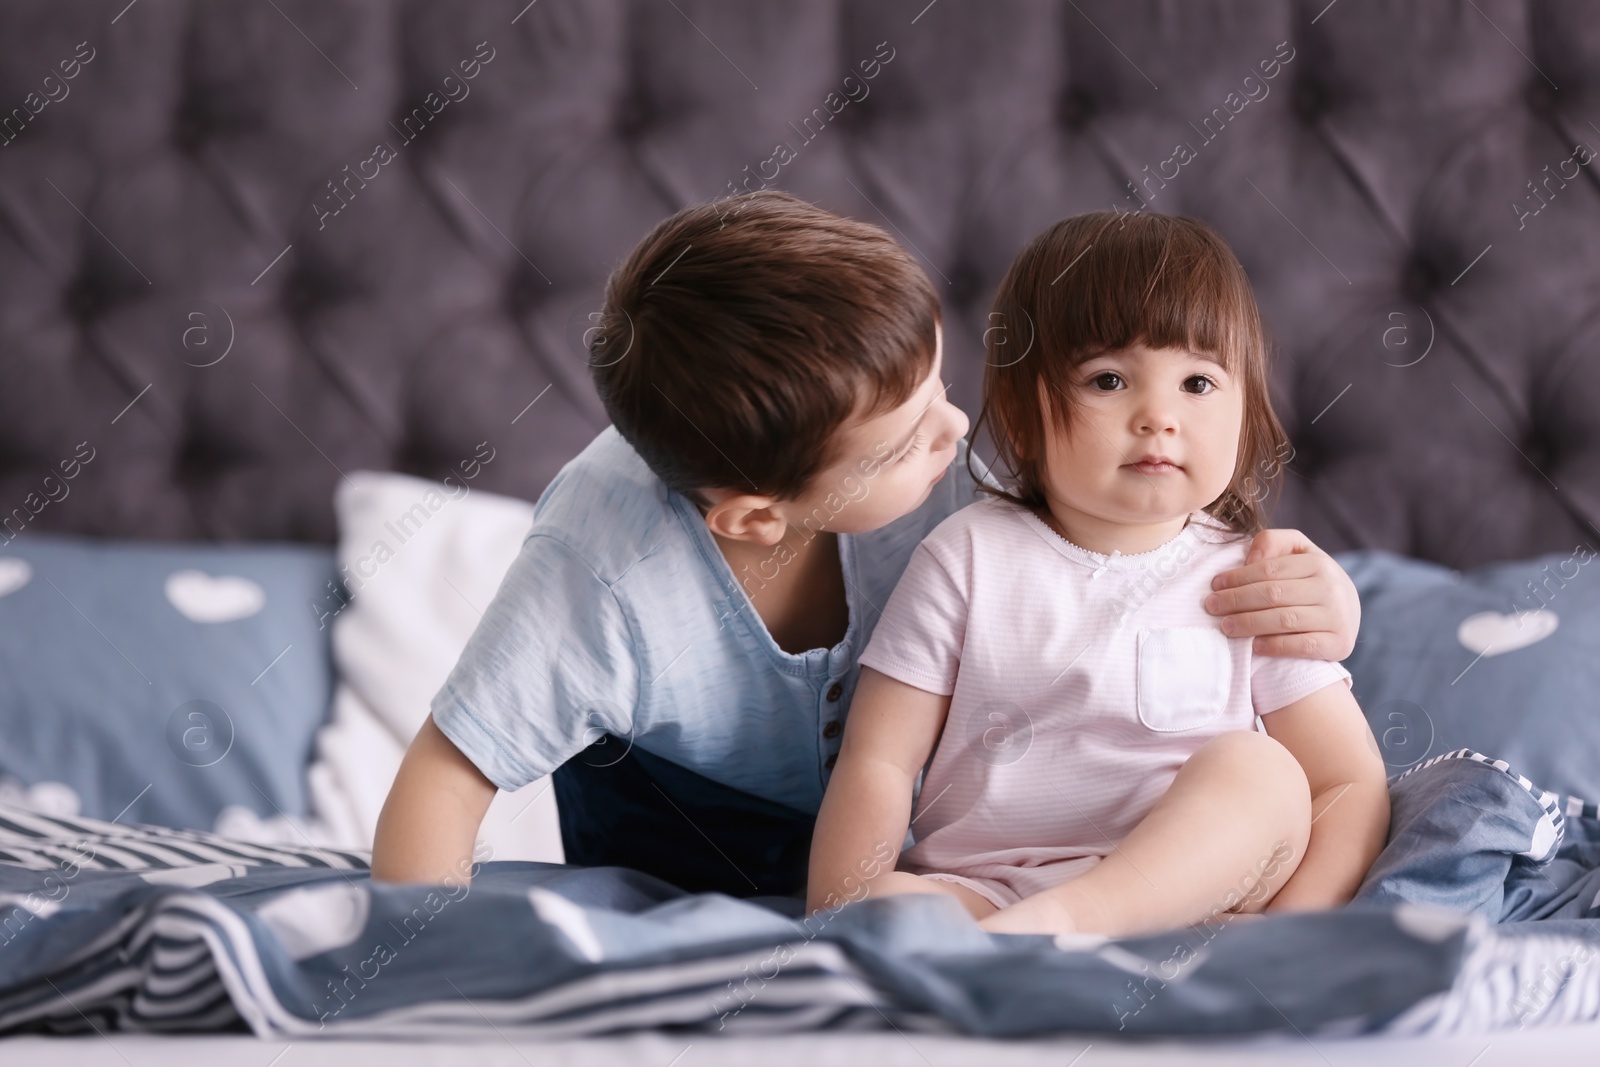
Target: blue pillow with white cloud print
{"points": [[1501, 659], [161, 683]]}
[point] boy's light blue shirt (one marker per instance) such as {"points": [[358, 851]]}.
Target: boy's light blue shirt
{"points": [[621, 616]]}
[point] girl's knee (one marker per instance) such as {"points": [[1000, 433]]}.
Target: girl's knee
{"points": [[1287, 794], [1240, 744], [1261, 766], [1259, 758], [1285, 787]]}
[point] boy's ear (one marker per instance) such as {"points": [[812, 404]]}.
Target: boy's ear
{"points": [[745, 517]]}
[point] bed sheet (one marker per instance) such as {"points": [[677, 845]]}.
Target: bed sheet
{"points": [[1476, 919], [1553, 1047]]}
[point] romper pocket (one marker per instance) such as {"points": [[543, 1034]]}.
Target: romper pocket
{"points": [[1184, 676]]}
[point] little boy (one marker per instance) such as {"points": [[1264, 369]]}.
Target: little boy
{"points": [[677, 639]]}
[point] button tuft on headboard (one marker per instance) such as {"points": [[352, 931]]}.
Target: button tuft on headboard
{"points": [[1399, 181], [1419, 277], [1075, 107]]}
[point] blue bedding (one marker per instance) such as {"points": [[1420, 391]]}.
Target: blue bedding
{"points": [[1479, 915]]}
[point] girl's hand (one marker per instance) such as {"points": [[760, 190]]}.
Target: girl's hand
{"points": [[1291, 596]]}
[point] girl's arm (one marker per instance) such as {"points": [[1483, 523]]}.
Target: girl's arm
{"points": [[430, 820], [1292, 596], [891, 729], [1330, 737]]}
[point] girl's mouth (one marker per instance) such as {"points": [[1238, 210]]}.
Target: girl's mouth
{"points": [[1162, 467]]}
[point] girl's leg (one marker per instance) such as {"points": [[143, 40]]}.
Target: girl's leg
{"points": [[891, 882], [1226, 836]]}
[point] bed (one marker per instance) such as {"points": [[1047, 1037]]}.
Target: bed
{"points": [[274, 273]]}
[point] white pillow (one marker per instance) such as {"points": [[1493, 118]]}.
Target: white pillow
{"points": [[422, 561]]}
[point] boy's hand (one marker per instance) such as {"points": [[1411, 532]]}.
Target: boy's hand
{"points": [[1293, 595]]}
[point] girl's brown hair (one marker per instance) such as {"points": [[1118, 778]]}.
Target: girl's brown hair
{"points": [[1105, 281]]}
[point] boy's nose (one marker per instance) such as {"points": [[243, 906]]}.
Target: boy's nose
{"points": [[956, 423]]}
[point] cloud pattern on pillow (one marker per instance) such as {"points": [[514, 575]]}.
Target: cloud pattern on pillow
{"points": [[168, 684], [1499, 659], [204, 598]]}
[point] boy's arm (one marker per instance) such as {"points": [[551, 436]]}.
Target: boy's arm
{"points": [[891, 729], [1330, 737], [430, 820], [1292, 596]]}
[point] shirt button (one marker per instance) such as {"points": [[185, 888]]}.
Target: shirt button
{"points": [[830, 761], [831, 730], [835, 691]]}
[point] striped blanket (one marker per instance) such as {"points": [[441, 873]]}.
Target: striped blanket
{"points": [[1477, 917]]}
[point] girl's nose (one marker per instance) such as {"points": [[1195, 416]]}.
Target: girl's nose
{"points": [[1155, 415]]}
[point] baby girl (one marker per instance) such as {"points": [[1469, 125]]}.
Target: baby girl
{"points": [[1104, 757]]}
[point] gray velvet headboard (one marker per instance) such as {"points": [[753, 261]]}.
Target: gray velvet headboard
{"points": [[1410, 191]]}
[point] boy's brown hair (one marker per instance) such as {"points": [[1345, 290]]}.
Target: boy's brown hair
{"points": [[1108, 280], [742, 333]]}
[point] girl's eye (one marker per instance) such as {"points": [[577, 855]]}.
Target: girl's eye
{"points": [[1101, 377], [1207, 379]]}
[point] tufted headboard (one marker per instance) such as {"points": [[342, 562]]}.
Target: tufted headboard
{"points": [[247, 247]]}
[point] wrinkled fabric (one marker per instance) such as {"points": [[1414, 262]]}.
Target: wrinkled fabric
{"points": [[147, 928]]}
